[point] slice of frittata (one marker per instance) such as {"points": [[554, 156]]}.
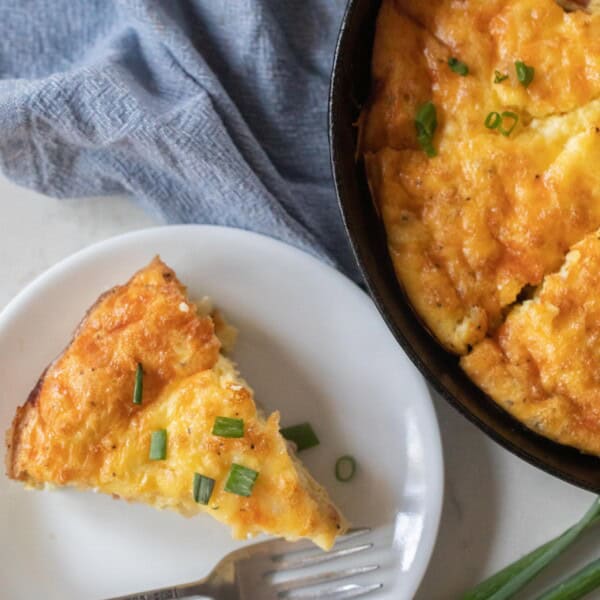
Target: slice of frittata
{"points": [[143, 405]]}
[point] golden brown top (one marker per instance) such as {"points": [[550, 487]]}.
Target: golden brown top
{"points": [[469, 229], [543, 363], [80, 426], [88, 390]]}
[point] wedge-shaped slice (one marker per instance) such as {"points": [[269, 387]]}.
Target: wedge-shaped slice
{"points": [[80, 426], [543, 364]]}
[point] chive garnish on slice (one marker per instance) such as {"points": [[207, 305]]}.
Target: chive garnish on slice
{"points": [[229, 428], [138, 388], [525, 73], [302, 435], [500, 77], [241, 480], [202, 488], [426, 124], [158, 445], [345, 468], [458, 66]]}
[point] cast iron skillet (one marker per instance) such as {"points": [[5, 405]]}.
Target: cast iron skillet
{"points": [[349, 89]]}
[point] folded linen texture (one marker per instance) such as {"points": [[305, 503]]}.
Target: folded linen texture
{"points": [[206, 111]]}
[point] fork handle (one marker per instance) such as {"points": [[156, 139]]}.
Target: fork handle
{"points": [[198, 588], [158, 594]]}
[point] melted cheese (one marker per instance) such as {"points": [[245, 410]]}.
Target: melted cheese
{"points": [[490, 215], [81, 428], [543, 364], [473, 230]]}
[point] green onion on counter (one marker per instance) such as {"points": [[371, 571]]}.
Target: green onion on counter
{"points": [[507, 582], [577, 585]]}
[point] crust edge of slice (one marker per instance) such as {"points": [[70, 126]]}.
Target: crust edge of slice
{"points": [[16, 444]]}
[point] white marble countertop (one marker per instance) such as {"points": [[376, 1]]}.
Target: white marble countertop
{"points": [[496, 506]]}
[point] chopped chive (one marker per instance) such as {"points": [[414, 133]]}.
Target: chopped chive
{"points": [[229, 428], [508, 115], [241, 480], [576, 586], [493, 120], [345, 468], [525, 73], [505, 584], [500, 77], [426, 124], [458, 66], [158, 445], [138, 388], [203, 488], [302, 435]]}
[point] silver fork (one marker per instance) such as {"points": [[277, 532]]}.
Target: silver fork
{"points": [[247, 574]]}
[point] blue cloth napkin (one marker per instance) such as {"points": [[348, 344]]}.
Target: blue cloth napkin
{"points": [[207, 111]]}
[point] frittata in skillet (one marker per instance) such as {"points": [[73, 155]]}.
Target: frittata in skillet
{"points": [[143, 405], [543, 363], [481, 142]]}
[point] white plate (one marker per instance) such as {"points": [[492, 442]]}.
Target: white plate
{"points": [[312, 345]]}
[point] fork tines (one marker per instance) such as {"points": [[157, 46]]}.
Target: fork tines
{"points": [[299, 555]]}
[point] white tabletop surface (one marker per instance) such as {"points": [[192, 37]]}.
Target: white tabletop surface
{"points": [[496, 506]]}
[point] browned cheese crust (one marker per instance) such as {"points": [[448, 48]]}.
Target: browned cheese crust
{"points": [[80, 427], [470, 228], [477, 229], [543, 364], [139, 322]]}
